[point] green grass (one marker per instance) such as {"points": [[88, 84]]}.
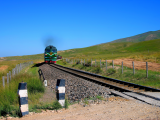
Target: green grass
{"points": [[8, 95], [153, 79], [143, 51]]}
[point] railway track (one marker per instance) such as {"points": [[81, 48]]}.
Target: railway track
{"points": [[121, 88]]}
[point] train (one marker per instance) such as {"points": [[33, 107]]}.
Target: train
{"points": [[50, 54]]}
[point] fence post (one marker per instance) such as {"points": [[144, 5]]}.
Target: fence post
{"points": [[122, 67], [91, 62], [133, 68], [10, 75], [14, 71], [3, 81], [7, 77], [84, 61], [106, 64], [95, 62], [100, 63], [147, 69], [113, 64]]}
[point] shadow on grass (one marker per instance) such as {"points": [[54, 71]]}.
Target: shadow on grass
{"points": [[38, 64]]}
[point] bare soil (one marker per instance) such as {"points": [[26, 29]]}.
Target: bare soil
{"points": [[114, 109], [3, 67]]}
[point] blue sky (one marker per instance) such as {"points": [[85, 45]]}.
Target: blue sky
{"points": [[26, 24]]}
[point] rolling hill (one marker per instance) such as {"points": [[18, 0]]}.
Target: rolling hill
{"points": [[145, 50], [151, 35]]}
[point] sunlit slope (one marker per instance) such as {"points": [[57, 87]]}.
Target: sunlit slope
{"points": [[26, 57], [151, 35], [97, 51], [150, 46], [150, 49]]}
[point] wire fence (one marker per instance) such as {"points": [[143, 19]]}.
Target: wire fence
{"points": [[117, 64], [14, 72]]}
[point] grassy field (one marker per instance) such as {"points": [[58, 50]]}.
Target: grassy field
{"points": [[153, 79], [25, 57], [142, 51], [9, 97], [9, 104]]}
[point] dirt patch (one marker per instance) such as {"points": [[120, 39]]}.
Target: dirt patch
{"points": [[2, 59], [114, 109], [3, 67], [49, 96]]}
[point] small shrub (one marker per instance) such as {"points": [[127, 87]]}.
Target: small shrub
{"points": [[64, 62], [111, 71], [97, 70], [99, 97], [86, 101], [56, 105], [88, 64], [110, 63], [66, 104]]}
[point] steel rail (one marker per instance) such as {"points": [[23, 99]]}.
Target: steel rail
{"points": [[121, 88], [110, 81]]}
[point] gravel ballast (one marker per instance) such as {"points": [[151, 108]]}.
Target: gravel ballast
{"points": [[76, 88]]}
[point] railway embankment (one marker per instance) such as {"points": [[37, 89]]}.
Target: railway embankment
{"points": [[76, 88]]}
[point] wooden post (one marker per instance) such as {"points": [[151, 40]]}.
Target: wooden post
{"points": [[100, 63], [91, 62], [84, 61], [14, 71], [95, 62], [3, 81], [81, 61], [7, 77], [113, 64], [147, 69], [122, 67], [133, 68], [106, 64], [10, 75]]}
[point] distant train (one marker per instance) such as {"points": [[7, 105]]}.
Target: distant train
{"points": [[59, 57], [50, 54]]}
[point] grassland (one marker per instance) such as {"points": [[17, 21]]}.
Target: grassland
{"points": [[8, 94], [9, 104], [142, 51]]}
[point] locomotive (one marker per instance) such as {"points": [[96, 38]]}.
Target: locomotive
{"points": [[59, 57], [50, 54]]}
